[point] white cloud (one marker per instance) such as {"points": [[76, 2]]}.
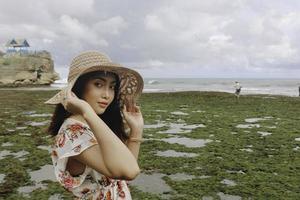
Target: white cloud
{"points": [[75, 8], [112, 25], [72, 29], [155, 63], [153, 23], [219, 37], [46, 40]]}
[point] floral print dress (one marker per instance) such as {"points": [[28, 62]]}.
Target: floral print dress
{"points": [[73, 138]]}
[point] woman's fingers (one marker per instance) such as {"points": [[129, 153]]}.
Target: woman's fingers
{"points": [[132, 109], [124, 110], [137, 109], [69, 93], [68, 98]]}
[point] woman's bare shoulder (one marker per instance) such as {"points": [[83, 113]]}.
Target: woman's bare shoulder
{"points": [[79, 118]]}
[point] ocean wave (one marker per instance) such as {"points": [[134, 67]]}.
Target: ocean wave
{"points": [[152, 82], [270, 87]]}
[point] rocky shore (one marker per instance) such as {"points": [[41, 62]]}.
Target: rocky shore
{"points": [[27, 69]]}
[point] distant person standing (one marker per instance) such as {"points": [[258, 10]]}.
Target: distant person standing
{"points": [[299, 90], [238, 88], [39, 72]]}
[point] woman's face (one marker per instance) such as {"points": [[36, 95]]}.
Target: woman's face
{"points": [[99, 91]]}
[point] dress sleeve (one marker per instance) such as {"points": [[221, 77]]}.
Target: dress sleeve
{"points": [[73, 138]]}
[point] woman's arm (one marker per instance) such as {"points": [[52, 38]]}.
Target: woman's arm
{"points": [[134, 142], [134, 118], [110, 157]]}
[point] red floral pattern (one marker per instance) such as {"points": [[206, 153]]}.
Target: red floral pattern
{"points": [[66, 180], [84, 186], [77, 149], [75, 130], [61, 140], [76, 127]]}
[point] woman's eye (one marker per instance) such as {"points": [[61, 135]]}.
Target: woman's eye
{"points": [[98, 84], [112, 87]]}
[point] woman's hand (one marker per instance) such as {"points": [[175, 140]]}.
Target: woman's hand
{"points": [[134, 118], [75, 105]]}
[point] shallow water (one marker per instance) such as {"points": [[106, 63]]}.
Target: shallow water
{"points": [[7, 144], [21, 127], [235, 172], [10, 130], [25, 134], [56, 197], [198, 111], [193, 126], [161, 110], [151, 183], [228, 196], [179, 113], [188, 142], [271, 127], [248, 126], [25, 190], [48, 148], [207, 198], [174, 129], [18, 155], [41, 115], [184, 106], [45, 173], [180, 121], [228, 182], [2, 176], [181, 128], [29, 112], [38, 123], [269, 97], [264, 133], [253, 120], [203, 177], [172, 153], [247, 149], [181, 177], [223, 196], [158, 125]]}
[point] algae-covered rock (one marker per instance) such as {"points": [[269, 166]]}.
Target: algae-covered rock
{"points": [[27, 69]]}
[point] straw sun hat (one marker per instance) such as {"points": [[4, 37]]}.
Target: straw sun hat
{"points": [[131, 82]]}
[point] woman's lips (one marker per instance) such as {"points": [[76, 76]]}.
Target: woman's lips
{"points": [[102, 105]]}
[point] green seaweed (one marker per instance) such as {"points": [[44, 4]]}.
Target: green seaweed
{"points": [[270, 171]]}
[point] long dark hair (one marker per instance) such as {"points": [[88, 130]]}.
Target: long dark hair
{"points": [[112, 115]]}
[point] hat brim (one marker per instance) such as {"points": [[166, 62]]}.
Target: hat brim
{"points": [[108, 67]]}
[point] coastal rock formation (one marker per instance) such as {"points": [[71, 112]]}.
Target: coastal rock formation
{"points": [[27, 69]]}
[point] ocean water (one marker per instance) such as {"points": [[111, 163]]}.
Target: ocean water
{"points": [[287, 87]]}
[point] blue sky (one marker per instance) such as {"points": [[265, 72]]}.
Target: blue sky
{"points": [[160, 38]]}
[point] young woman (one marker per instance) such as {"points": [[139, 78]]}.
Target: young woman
{"points": [[93, 155]]}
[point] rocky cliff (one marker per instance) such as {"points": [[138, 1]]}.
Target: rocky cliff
{"points": [[27, 69]]}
